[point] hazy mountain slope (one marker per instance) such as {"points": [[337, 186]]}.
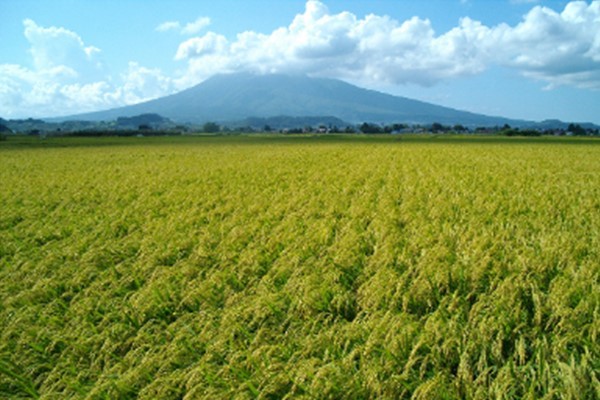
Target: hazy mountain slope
{"points": [[237, 96]]}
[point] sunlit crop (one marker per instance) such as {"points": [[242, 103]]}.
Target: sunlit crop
{"points": [[270, 268]]}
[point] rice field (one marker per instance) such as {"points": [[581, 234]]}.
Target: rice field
{"points": [[272, 267]]}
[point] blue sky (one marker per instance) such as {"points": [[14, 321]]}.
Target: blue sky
{"points": [[515, 58]]}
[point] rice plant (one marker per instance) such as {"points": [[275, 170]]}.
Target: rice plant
{"points": [[278, 268]]}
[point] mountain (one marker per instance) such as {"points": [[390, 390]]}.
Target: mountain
{"points": [[153, 121], [557, 124], [3, 126], [236, 97], [283, 122]]}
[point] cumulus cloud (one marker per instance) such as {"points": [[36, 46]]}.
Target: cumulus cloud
{"points": [[60, 48], [67, 77], [558, 48], [190, 28], [141, 83], [376, 48], [206, 45], [42, 93]]}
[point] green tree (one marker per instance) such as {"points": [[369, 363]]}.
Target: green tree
{"points": [[576, 129], [437, 127], [210, 127], [370, 128], [399, 127]]}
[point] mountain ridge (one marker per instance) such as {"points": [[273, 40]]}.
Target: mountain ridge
{"points": [[227, 98]]}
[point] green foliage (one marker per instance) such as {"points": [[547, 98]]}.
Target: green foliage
{"points": [[210, 127], [436, 127], [520, 132], [370, 128], [576, 130], [300, 267]]}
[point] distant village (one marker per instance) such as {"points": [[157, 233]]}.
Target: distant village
{"points": [[155, 125]]}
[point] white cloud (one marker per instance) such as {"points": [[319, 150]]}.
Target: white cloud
{"points": [[206, 45], [67, 77], [376, 48], [42, 93], [189, 29], [141, 84], [168, 26], [58, 47], [558, 48], [194, 27]]}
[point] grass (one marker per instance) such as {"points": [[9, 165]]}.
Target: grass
{"points": [[308, 267]]}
